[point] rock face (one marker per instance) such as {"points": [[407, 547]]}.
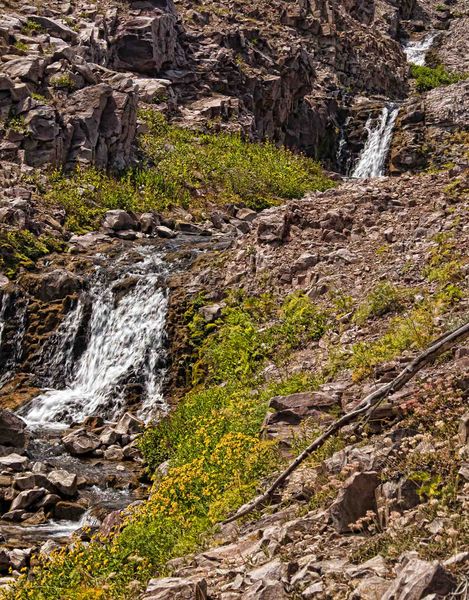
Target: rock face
{"points": [[420, 579], [12, 430]]}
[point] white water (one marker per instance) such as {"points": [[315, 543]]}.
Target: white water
{"points": [[125, 341], [416, 52], [372, 160]]}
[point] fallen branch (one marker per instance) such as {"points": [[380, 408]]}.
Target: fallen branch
{"points": [[369, 403]]}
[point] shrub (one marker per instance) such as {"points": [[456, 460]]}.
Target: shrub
{"points": [[428, 78], [383, 299]]}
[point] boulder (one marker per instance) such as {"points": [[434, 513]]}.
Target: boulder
{"points": [[114, 453], [419, 579], [272, 228], [12, 430], [355, 499], [68, 511], [27, 498], [64, 482], [176, 588], [56, 28], [54, 285], [81, 442], [15, 462], [119, 220]]}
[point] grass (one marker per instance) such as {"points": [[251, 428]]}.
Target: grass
{"points": [[183, 168], [20, 249], [428, 78]]}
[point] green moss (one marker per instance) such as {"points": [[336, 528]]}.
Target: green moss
{"points": [[20, 249], [428, 78], [188, 169]]}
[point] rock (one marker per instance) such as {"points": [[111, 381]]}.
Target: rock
{"points": [[69, 511], [28, 481], [64, 482], [176, 588], [27, 498], [165, 232], [272, 228], [192, 229], [303, 402], [246, 214], [109, 436], [14, 462], [56, 28], [464, 430], [265, 590], [419, 579], [12, 430], [211, 312], [312, 591], [114, 453], [355, 499], [148, 223], [81, 442], [19, 558], [129, 424], [119, 220], [53, 285], [371, 588]]}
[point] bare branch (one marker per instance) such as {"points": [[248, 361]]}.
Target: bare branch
{"points": [[438, 347]]}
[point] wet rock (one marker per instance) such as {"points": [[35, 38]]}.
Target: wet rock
{"points": [[119, 220], [356, 498], [54, 285], [64, 482], [81, 442], [176, 588], [418, 579], [27, 498], [192, 228], [68, 511], [12, 430]]}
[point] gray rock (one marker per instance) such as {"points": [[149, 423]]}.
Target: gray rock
{"points": [[81, 442], [27, 498], [355, 499], [176, 588], [165, 232], [114, 453], [129, 424], [64, 482], [119, 220], [15, 462], [418, 579]]}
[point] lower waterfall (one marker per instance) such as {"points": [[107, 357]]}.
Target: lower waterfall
{"points": [[372, 160], [125, 343], [416, 52]]}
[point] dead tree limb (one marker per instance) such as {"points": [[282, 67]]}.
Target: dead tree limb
{"points": [[438, 347]]}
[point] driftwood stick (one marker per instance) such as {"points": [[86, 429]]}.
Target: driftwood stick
{"points": [[438, 347]]}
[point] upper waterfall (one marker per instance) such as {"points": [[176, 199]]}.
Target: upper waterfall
{"points": [[416, 52], [125, 343], [372, 160]]}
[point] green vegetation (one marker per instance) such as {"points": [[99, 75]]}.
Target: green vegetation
{"points": [[22, 248], [19, 45], [63, 81], [385, 298], [31, 28], [188, 169], [428, 78]]}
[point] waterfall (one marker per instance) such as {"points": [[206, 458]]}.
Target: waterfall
{"points": [[125, 344], [417, 51], [372, 160]]}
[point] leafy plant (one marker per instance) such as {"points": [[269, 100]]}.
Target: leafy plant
{"points": [[428, 78]]}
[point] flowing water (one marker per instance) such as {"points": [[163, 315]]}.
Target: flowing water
{"points": [[416, 52], [125, 343], [372, 160]]}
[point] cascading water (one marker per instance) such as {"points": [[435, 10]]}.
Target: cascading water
{"points": [[416, 52], [125, 343], [11, 346], [372, 160]]}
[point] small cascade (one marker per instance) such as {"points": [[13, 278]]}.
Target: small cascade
{"points": [[125, 345], [372, 160], [416, 52]]}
